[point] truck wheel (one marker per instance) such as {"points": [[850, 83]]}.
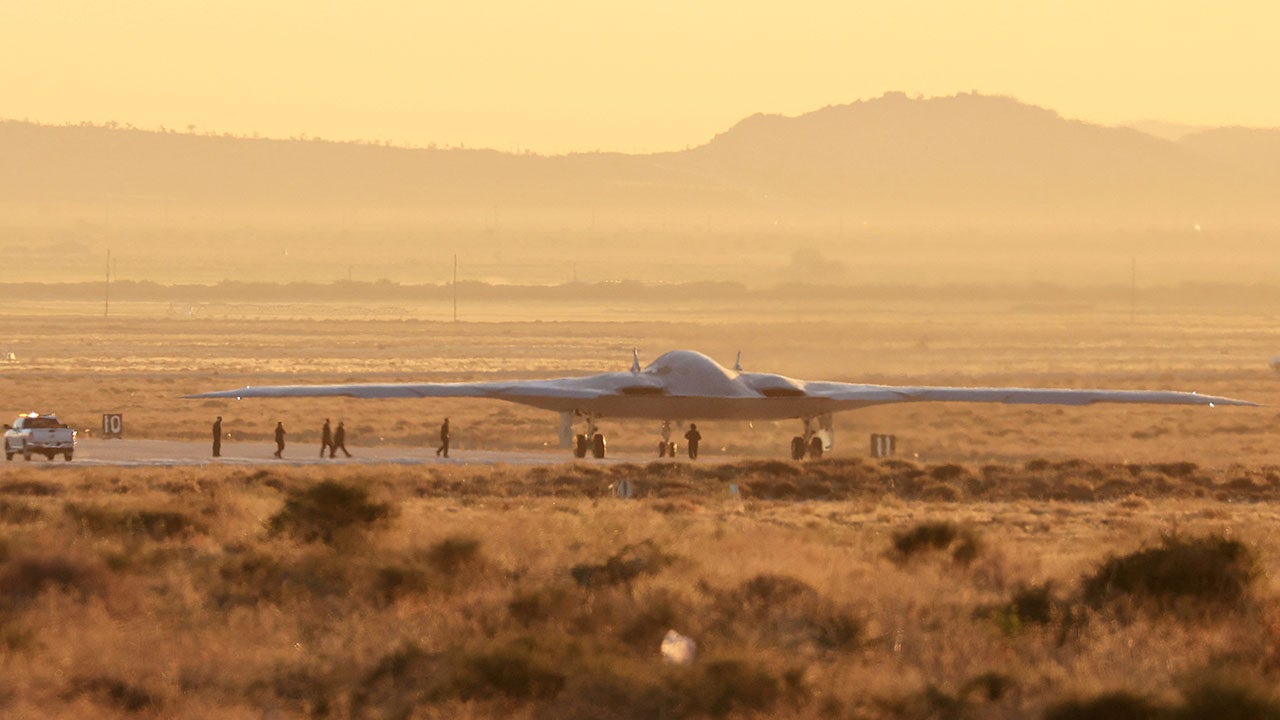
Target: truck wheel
{"points": [[26, 456], [67, 456], [8, 455]]}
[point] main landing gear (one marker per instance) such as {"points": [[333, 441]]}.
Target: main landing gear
{"points": [[812, 443], [592, 441]]}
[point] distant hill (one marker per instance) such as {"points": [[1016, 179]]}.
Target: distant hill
{"points": [[893, 188], [969, 158]]}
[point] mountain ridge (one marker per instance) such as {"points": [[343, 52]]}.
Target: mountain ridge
{"points": [[966, 158]]}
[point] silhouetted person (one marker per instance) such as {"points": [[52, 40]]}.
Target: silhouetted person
{"points": [[339, 441], [280, 439], [444, 439], [691, 438], [326, 439], [217, 437]]}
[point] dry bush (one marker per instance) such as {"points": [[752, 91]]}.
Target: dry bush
{"points": [[156, 524], [22, 579], [963, 543], [1116, 705], [783, 612], [17, 513], [622, 568], [327, 512], [1210, 571], [112, 692], [1229, 695]]}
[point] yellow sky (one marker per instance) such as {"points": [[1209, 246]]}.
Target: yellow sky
{"points": [[561, 75]]}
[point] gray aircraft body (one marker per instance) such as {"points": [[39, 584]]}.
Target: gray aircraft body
{"points": [[687, 385]]}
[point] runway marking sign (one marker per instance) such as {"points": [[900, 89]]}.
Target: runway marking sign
{"points": [[112, 425]]}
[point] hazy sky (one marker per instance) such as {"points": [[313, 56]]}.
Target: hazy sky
{"points": [[560, 75]]}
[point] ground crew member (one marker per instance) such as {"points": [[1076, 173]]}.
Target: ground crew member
{"points": [[691, 438], [444, 439], [279, 438], [326, 439], [339, 441], [217, 437]]}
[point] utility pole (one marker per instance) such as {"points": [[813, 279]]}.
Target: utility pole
{"points": [[1133, 287], [455, 288], [106, 293]]}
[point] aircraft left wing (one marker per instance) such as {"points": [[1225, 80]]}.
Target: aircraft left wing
{"points": [[552, 389], [883, 394]]}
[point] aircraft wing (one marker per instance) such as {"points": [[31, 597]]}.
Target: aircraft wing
{"points": [[882, 394], [566, 389]]}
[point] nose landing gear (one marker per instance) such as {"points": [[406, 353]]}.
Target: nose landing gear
{"points": [[592, 441]]}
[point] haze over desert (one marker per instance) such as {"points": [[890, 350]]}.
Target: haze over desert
{"points": [[559, 225]]}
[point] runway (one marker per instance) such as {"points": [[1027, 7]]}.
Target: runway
{"points": [[94, 452]]}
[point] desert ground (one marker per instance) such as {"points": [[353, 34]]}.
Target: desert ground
{"points": [[1009, 562]]}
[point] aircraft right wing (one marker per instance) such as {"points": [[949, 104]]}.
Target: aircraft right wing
{"points": [[883, 394]]}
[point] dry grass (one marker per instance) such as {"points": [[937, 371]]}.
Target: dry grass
{"points": [[402, 592], [536, 593]]}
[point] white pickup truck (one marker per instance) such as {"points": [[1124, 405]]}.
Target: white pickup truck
{"points": [[35, 434]]}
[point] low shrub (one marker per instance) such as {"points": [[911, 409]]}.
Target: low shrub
{"points": [[935, 536], [23, 579], [1224, 696], [18, 513], [454, 554], [730, 685], [631, 562], [327, 512], [156, 524], [1117, 705], [113, 692], [785, 612], [1211, 570]]}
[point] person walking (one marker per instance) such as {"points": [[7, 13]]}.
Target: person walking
{"points": [[444, 439], [339, 441], [326, 439], [217, 437], [691, 439], [280, 439]]}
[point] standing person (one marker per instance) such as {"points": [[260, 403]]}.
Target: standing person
{"points": [[217, 437], [691, 438], [339, 441], [326, 439], [279, 438], [444, 439]]}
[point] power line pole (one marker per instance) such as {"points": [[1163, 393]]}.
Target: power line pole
{"points": [[1133, 287], [455, 288], [106, 293]]}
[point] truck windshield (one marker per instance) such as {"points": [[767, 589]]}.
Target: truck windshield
{"points": [[41, 422]]}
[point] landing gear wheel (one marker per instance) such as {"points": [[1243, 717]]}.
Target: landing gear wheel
{"points": [[671, 449], [797, 448], [580, 446], [662, 449], [815, 448], [597, 446]]}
